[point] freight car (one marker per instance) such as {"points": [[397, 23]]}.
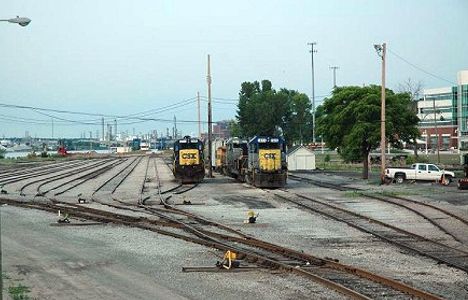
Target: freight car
{"points": [[188, 160], [266, 165], [215, 145], [220, 160]]}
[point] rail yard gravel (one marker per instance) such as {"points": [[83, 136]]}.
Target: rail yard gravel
{"points": [[116, 262]]}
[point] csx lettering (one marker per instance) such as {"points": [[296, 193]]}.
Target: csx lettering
{"points": [[269, 155], [189, 156]]}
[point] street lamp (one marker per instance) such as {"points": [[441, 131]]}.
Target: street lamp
{"points": [[22, 21]]}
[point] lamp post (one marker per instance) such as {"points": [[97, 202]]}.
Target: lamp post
{"points": [[22, 21]]}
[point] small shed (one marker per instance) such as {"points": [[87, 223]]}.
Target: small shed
{"points": [[300, 158]]}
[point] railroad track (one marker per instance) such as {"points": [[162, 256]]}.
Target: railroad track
{"points": [[75, 182], [440, 252], [56, 169], [59, 176], [113, 182], [446, 221], [13, 170], [348, 280]]}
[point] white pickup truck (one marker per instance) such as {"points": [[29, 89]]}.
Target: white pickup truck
{"points": [[427, 172]]}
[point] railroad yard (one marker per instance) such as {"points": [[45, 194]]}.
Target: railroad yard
{"points": [[136, 233]]}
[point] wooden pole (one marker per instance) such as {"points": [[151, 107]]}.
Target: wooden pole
{"points": [[382, 118], [208, 79], [199, 115]]}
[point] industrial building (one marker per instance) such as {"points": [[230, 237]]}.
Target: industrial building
{"points": [[444, 113]]}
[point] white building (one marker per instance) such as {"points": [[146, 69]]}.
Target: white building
{"points": [[300, 158], [444, 115]]}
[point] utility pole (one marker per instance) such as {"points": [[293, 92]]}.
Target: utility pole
{"points": [[334, 68], [436, 130], [382, 51], [199, 115], [115, 129], [208, 81], [52, 127], [175, 127], [103, 134], [312, 51]]}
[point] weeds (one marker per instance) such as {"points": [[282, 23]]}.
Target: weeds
{"points": [[19, 292]]}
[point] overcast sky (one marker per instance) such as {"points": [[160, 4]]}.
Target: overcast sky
{"points": [[124, 57]]}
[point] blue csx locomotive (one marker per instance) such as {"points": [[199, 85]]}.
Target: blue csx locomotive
{"points": [[188, 160], [260, 161]]}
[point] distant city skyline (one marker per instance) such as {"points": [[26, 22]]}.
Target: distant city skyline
{"points": [[120, 58]]}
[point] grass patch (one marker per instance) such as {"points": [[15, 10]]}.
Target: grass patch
{"points": [[353, 194], [19, 292], [391, 193]]}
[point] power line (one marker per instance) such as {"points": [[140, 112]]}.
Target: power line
{"points": [[130, 116], [161, 109], [419, 68]]}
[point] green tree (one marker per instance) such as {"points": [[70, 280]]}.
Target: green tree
{"points": [[351, 121], [261, 109], [297, 127], [265, 111], [234, 128]]}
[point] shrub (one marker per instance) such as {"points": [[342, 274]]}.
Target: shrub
{"points": [[416, 159]]}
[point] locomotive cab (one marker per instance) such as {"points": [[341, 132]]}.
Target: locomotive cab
{"points": [[267, 162], [188, 163], [237, 153]]}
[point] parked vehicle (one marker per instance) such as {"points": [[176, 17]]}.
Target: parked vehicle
{"points": [[423, 172]]}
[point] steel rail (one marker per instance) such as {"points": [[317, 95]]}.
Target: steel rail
{"points": [[144, 223], [287, 252], [56, 169], [16, 171], [98, 165], [61, 175], [390, 201], [112, 178], [91, 176], [392, 239]]}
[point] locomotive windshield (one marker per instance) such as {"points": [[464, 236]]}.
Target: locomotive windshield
{"points": [[188, 144], [269, 146], [243, 145]]}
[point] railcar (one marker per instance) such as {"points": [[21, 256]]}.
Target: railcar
{"points": [[215, 146], [188, 160], [236, 158], [220, 160], [266, 165]]}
